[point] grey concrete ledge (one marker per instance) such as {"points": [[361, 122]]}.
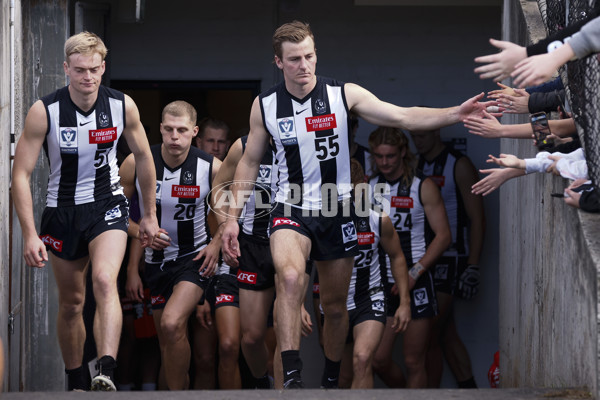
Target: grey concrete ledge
{"points": [[316, 394]]}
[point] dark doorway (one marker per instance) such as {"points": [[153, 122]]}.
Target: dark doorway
{"points": [[229, 101]]}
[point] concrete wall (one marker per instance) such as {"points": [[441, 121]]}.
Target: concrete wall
{"points": [[5, 114], [548, 266]]}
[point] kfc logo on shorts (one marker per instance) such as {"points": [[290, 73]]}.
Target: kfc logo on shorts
{"points": [[284, 221], [224, 298], [52, 242], [420, 297], [316, 288], [246, 277], [157, 300], [402, 202]]}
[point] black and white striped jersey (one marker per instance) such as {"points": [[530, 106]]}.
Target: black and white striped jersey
{"points": [[404, 206], [82, 147], [256, 213], [442, 170], [311, 139], [181, 203], [365, 284]]}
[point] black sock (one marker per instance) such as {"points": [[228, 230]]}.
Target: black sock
{"points": [[331, 373], [468, 384], [263, 382], [106, 365], [292, 365], [78, 378]]}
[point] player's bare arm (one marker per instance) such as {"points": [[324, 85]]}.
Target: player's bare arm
{"points": [[435, 211], [375, 111], [246, 171], [26, 156], [212, 250], [138, 143], [466, 177], [391, 245]]}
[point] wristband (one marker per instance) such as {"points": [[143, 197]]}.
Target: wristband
{"points": [[416, 271]]}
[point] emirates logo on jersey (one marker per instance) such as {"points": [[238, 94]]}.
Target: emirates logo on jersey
{"points": [[439, 180], [52, 242], [366, 238], [402, 202], [321, 123], [107, 135], [185, 191]]}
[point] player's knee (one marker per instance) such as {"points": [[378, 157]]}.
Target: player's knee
{"points": [[252, 338], [334, 310], [290, 281], [104, 284], [173, 329], [72, 307], [414, 362], [229, 348], [362, 361]]}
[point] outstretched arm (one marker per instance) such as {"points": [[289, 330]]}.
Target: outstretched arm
{"points": [[368, 106], [500, 65], [507, 160], [495, 179]]}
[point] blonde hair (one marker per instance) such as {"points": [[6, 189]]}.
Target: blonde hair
{"points": [[180, 108], [293, 32], [394, 137], [85, 43]]}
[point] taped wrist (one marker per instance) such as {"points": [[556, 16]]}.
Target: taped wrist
{"points": [[416, 271]]}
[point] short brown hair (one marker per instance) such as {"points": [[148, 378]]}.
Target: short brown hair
{"points": [[180, 108], [293, 32], [394, 137], [85, 43]]}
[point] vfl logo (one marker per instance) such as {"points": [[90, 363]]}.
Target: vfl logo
{"points": [[378, 306], [441, 271], [264, 174], [284, 221], [68, 140], [420, 297], [224, 298], [158, 191], [286, 126], [246, 277], [349, 232], [320, 106], [112, 214], [103, 119], [52, 242], [188, 177], [287, 131]]}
